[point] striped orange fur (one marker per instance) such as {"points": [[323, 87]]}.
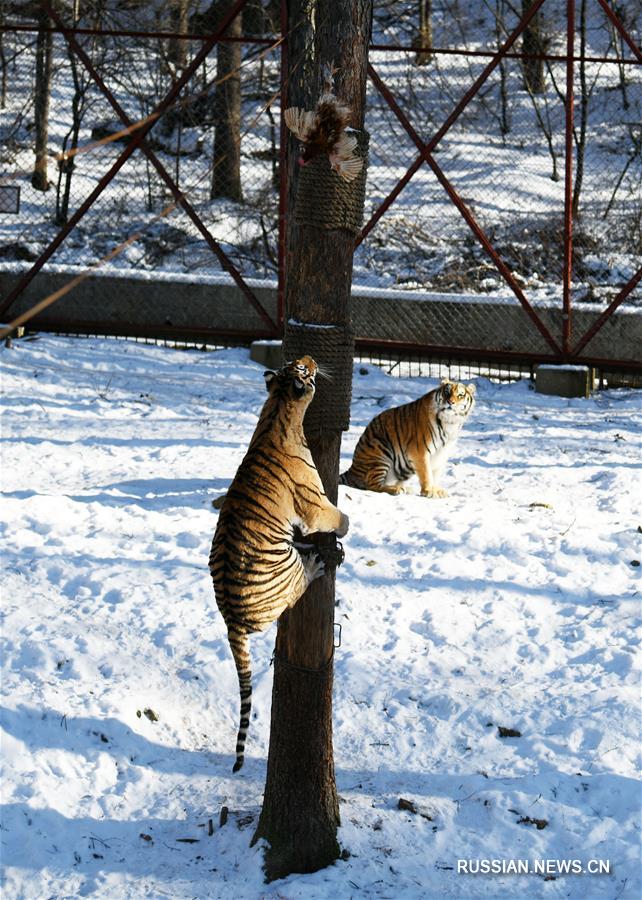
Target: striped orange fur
{"points": [[257, 570], [413, 439]]}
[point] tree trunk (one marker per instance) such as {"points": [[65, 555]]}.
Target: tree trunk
{"points": [[500, 34], [42, 92], [300, 812], [533, 43], [253, 18], [580, 137], [179, 24], [423, 41], [226, 172], [3, 60], [67, 162]]}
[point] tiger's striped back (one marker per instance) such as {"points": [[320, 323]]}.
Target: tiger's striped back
{"points": [[256, 569], [415, 438]]}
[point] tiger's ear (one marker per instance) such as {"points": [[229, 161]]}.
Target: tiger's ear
{"points": [[269, 378], [472, 389]]}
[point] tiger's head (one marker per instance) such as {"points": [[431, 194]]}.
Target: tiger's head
{"points": [[295, 380], [455, 399]]}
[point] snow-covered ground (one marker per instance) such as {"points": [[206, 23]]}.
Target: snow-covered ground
{"points": [[513, 603]]}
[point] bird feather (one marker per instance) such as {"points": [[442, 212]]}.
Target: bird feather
{"points": [[345, 146], [301, 122], [348, 169]]}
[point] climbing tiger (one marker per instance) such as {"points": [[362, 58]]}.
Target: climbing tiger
{"points": [[257, 570], [416, 438]]}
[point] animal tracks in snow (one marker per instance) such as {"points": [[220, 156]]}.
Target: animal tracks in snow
{"points": [[511, 603]]}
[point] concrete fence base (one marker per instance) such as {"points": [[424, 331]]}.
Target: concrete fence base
{"points": [[161, 306]]}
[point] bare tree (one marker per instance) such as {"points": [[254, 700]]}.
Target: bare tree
{"points": [[533, 45], [580, 134], [79, 105], [423, 40], [3, 58], [254, 18], [500, 36], [617, 42], [179, 24], [42, 93], [300, 810], [226, 165]]}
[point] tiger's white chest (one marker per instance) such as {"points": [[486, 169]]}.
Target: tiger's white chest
{"points": [[439, 457], [445, 438]]}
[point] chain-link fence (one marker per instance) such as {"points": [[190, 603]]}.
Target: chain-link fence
{"points": [[237, 199], [505, 155], [469, 191]]}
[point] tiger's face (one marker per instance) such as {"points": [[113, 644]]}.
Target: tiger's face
{"points": [[296, 380], [454, 398]]}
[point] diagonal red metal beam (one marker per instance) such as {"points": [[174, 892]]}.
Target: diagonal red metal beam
{"points": [[608, 312], [179, 197], [466, 214], [131, 146], [630, 286], [428, 148], [492, 65], [620, 27]]}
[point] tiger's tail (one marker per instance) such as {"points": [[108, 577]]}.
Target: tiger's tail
{"points": [[240, 646], [345, 477]]}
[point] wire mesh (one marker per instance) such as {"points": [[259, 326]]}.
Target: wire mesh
{"points": [[485, 215], [483, 218], [85, 138]]}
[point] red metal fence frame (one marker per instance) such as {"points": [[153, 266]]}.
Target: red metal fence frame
{"points": [[564, 350], [138, 141]]}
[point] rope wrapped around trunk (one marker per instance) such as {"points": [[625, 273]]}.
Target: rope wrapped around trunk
{"points": [[332, 348], [325, 200], [282, 661]]}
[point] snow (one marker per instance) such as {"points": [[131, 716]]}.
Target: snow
{"points": [[143, 275], [297, 322], [514, 602], [563, 367]]}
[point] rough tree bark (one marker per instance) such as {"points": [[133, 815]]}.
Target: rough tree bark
{"points": [[42, 92], [3, 60], [179, 24], [533, 42], [423, 40], [580, 135], [300, 810], [226, 171]]}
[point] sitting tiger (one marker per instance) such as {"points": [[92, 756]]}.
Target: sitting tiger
{"points": [[415, 438], [257, 570]]}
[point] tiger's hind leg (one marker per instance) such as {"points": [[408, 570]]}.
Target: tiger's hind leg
{"points": [[379, 479]]}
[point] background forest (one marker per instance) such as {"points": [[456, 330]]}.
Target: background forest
{"points": [[504, 155]]}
